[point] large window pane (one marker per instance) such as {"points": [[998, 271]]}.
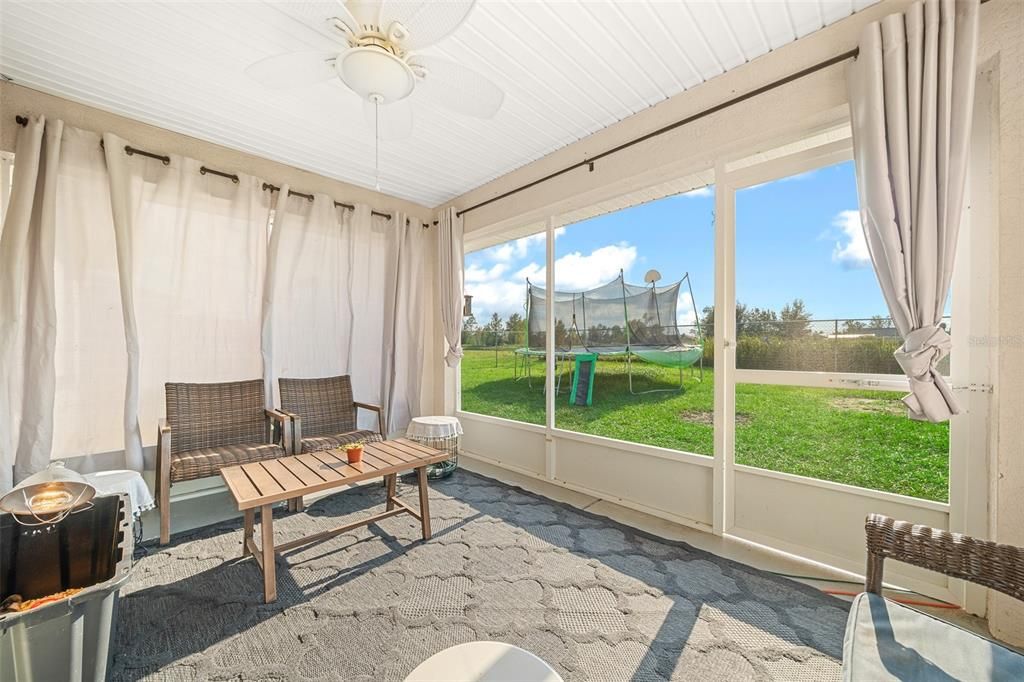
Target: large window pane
{"points": [[631, 351], [501, 377], [808, 301]]}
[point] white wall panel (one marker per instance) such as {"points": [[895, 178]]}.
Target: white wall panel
{"points": [[505, 443], [826, 523], [673, 487]]}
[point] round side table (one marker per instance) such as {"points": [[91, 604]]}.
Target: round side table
{"points": [[484, 662], [441, 433]]}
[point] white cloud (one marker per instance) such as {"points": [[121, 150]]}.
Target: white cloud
{"points": [[705, 191], [519, 248], [852, 249], [475, 273], [494, 291]]}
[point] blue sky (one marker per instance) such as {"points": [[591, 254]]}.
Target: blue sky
{"points": [[797, 237]]}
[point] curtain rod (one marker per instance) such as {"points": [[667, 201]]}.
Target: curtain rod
{"points": [[589, 163], [205, 170], [309, 197]]}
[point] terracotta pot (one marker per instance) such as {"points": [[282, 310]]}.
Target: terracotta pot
{"points": [[355, 454]]}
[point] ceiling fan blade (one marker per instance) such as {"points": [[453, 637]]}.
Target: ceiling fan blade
{"points": [[293, 69], [457, 87], [426, 22], [320, 15], [365, 12], [395, 119]]}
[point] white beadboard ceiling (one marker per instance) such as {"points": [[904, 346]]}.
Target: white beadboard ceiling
{"points": [[568, 69]]}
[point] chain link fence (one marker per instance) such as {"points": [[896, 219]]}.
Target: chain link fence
{"points": [[849, 345]]}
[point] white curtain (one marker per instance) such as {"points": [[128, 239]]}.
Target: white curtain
{"points": [[61, 344], [192, 250], [405, 325], [911, 96], [343, 296], [307, 310], [449, 265], [6, 174]]}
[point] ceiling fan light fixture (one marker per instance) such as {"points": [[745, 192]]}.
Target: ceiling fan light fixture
{"points": [[372, 71]]}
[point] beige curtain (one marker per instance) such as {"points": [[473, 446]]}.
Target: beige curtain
{"points": [[191, 249], [449, 263], [307, 314], [404, 324], [62, 356], [344, 295], [911, 92]]}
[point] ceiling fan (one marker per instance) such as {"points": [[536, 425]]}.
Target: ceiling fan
{"points": [[377, 58]]}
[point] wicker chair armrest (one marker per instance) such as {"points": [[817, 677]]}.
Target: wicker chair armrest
{"points": [[380, 414], [163, 439], [296, 428], [996, 566], [284, 423]]}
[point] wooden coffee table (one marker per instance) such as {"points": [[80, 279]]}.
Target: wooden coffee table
{"points": [[258, 485]]}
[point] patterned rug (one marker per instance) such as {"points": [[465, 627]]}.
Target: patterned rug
{"points": [[595, 599]]}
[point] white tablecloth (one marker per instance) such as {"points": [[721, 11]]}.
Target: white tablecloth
{"points": [[434, 427], [130, 482]]}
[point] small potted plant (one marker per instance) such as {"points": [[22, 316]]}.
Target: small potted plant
{"points": [[354, 452]]}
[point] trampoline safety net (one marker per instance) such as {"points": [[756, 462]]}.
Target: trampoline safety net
{"points": [[616, 317]]}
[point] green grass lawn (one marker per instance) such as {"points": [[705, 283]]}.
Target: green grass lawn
{"points": [[849, 436]]}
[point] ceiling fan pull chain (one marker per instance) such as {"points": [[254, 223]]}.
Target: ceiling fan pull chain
{"points": [[376, 148]]}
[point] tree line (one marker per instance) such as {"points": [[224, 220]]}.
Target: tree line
{"points": [[793, 320]]}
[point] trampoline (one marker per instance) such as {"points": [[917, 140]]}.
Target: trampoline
{"points": [[614, 319]]}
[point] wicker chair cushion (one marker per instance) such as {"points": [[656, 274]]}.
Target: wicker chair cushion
{"points": [[325, 406], [887, 641], [212, 415], [337, 440], [187, 466]]}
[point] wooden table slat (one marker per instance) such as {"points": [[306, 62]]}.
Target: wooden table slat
{"points": [[239, 484], [334, 462], [302, 472], [381, 453], [413, 446], [254, 485], [262, 479], [282, 475], [376, 461], [396, 452], [321, 468]]}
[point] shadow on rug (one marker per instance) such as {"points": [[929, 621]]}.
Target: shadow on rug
{"points": [[595, 599]]}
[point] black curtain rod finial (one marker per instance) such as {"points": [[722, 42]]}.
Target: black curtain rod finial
{"points": [[21, 120]]}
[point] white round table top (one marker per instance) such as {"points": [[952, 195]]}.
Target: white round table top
{"points": [[483, 662], [434, 427]]}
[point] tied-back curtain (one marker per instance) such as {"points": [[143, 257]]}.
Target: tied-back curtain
{"points": [[62, 356], [307, 315], [449, 265], [191, 250], [911, 96]]}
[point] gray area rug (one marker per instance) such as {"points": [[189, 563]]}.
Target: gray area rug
{"points": [[595, 599]]}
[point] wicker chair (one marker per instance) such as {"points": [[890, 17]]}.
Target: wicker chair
{"points": [[888, 641], [209, 427], [323, 413]]}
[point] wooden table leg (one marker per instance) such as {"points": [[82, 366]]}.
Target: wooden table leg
{"points": [[389, 483], [247, 530], [267, 550], [421, 475]]}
